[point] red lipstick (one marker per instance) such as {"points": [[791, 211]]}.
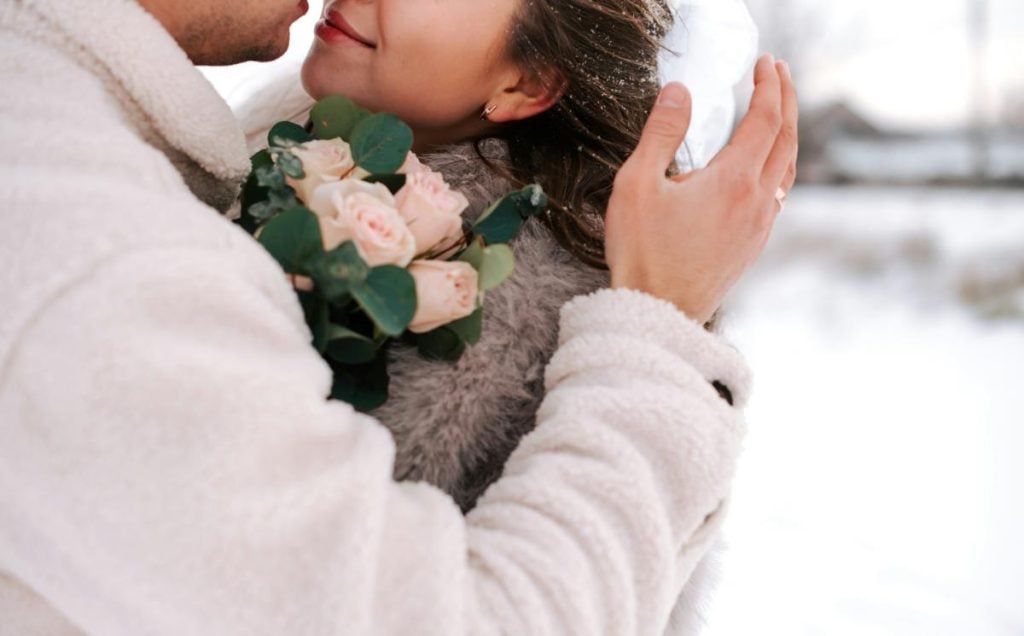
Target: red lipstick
{"points": [[336, 29]]}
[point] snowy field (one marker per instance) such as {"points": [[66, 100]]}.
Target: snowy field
{"points": [[882, 488]]}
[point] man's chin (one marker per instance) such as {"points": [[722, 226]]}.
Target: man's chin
{"points": [[252, 52], [268, 52]]}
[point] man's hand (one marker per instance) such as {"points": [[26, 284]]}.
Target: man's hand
{"points": [[689, 238]]}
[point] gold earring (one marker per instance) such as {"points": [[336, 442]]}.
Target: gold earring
{"points": [[487, 112]]}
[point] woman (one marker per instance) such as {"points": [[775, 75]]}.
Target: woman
{"points": [[554, 92], [548, 91]]}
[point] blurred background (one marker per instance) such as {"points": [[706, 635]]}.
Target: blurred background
{"points": [[882, 487]]}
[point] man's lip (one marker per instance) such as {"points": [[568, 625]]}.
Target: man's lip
{"points": [[337, 21]]}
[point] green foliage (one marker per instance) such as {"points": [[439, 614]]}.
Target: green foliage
{"points": [[293, 238], [493, 264], [503, 220], [318, 317], [335, 117], [338, 271], [348, 347], [470, 328], [354, 310], [364, 386], [253, 193], [497, 264], [393, 182], [286, 134], [291, 165], [381, 143], [388, 296], [441, 344]]}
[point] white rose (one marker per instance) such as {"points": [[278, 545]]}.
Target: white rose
{"points": [[323, 161], [445, 292], [432, 210], [364, 213]]}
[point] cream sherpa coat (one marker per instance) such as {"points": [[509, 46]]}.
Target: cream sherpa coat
{"points": [[169, 464]]}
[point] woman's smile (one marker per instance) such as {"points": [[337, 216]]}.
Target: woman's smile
{"points": [[335, 29]]}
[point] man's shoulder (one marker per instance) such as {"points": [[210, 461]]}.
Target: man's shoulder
{"points": [[81, 188]]}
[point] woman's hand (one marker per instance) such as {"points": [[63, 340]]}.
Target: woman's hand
{"points": [[689, 238]]}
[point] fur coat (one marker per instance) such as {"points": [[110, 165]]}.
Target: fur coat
{"points": [[455, 424]]}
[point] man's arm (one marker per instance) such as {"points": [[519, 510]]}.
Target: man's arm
{"points": [[170, 463], [175, 468]]}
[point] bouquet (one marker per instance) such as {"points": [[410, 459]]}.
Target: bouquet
{"points": [[374, 242]]}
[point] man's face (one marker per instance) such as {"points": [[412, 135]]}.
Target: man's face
{"points": [[222, 32]]}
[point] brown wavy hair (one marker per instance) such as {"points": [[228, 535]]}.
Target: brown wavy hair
{"points": [[603, 56]]}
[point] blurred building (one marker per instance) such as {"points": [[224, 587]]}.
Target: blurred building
{"points": [[839, 145]]}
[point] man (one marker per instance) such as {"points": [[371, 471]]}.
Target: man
{"points": [[169, 462]]}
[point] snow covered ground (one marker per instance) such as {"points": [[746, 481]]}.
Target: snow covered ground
{"points": [[882, 488]]}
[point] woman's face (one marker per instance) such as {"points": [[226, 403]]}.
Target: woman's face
{"points": [[434, 63]]}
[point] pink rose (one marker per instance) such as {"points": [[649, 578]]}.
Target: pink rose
{"points": [[323, 161], [445, 291], [433, 212], [412, 165], [364, 213]]}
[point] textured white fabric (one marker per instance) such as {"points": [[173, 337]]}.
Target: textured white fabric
{"points": [[170, 464]]}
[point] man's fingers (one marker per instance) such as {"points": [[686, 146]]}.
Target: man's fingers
{"points": [[664, 132], [784, 151], [754, 137]]}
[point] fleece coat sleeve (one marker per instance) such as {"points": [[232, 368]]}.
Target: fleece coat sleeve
{"points": [[170, 465]]}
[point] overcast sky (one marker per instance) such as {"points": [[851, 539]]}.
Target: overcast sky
{"points": [[904, 62]]}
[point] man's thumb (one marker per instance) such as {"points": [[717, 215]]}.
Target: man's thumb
{"points": [[665, 129]]}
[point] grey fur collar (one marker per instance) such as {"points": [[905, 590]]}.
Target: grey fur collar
{"points": [[455, 424]]}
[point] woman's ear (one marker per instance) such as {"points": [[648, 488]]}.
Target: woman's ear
{"points": [[527, 95]]}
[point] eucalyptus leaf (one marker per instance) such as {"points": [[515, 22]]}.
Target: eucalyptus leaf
{"points": [[318, 315], [262, 211], [252, 191], [502, 221], [388, 296], [474, 254], [496, 266], [286, 134], [349, 347], [270, 177], [441, 344], [393, 182], [363, 386], [291, 165], [339, 271], [336, 117], [381, 143], [293, 238], [470, 328]]}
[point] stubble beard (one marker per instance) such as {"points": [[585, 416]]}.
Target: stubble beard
{"points": [[224, 42]]}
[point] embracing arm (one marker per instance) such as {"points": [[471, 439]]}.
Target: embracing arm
{"points": [[170, 465], [179, 471]]}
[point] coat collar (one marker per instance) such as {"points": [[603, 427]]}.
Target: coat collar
{"points": [[137, 53]]}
